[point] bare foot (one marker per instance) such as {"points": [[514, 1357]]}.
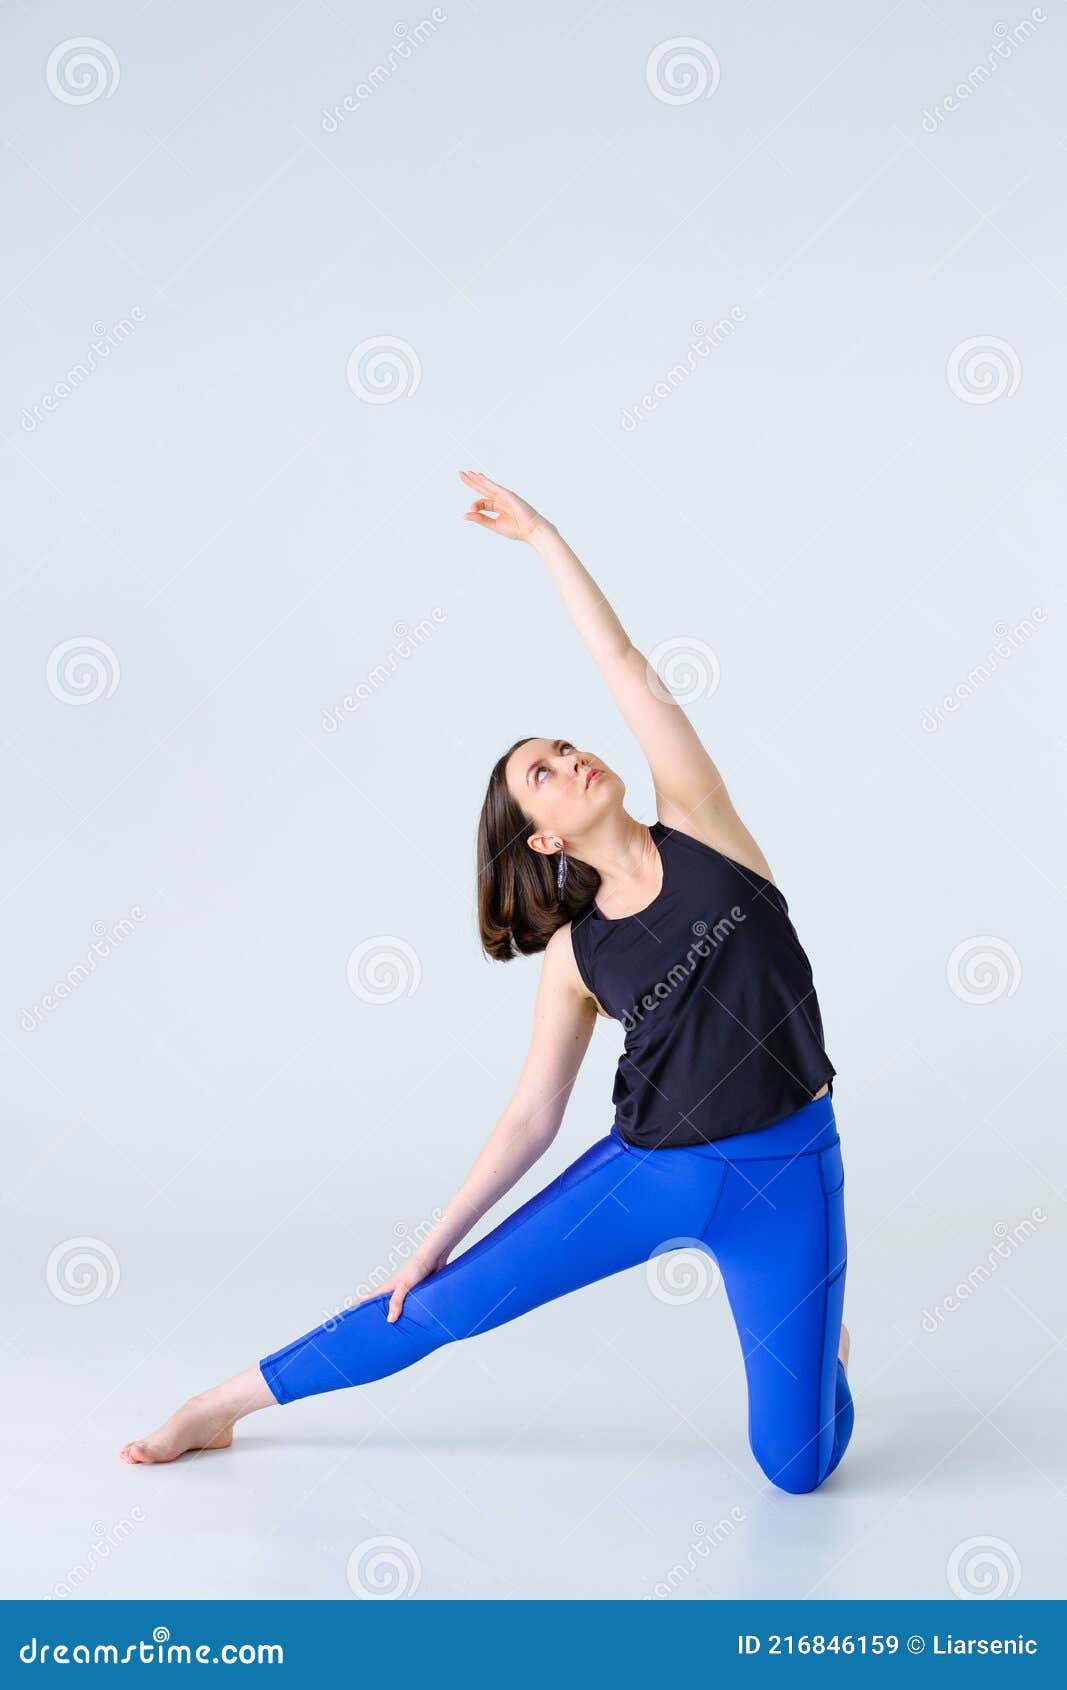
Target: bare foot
{"points": [[844, 1346], [204, 1422]]}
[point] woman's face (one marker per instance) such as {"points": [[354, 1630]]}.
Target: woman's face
{"points": [[562, 790]]}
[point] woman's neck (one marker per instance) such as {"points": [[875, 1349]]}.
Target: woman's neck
{"points": [[620, 849]]}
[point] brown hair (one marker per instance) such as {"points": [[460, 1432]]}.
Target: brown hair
{"points": [[518, 904]]}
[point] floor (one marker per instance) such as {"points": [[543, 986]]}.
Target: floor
{"points": [[594, 1448]]}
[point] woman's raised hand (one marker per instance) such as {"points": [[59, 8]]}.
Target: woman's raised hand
{"points": [[401, 1282], [513, 517]]}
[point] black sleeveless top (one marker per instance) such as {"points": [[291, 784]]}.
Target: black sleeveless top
{"points": [[713, 988]]}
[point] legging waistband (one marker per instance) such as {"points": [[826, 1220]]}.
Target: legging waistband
{"points": [[811, 1127]]}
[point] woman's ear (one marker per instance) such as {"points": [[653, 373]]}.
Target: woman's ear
{"points": [[545, 844]]}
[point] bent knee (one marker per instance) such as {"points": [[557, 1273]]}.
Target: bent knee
{"points": [[798, 1474]]}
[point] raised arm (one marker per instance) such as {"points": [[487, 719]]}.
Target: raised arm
{"points": [[690, 792], [564, 1017]]}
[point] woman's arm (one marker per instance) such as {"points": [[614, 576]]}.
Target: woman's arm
{"points": [[690, 791], [564, 1017]]}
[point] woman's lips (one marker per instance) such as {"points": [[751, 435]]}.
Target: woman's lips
{"points": [[594, 774]]}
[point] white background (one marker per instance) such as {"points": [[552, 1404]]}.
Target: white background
{"points": [[831, 501]]}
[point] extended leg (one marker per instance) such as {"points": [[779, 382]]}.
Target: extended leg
{"points": [[611, 1209], [593, 1220]]}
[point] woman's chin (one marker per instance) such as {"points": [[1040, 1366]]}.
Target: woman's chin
{"points": [[607, 792]]}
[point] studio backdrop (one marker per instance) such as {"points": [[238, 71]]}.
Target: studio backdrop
{"points": [[764, 307]]}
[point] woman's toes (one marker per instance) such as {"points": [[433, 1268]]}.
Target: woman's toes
{"points": [[144, 1452]]}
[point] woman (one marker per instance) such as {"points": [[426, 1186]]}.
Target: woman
{"points": [[724, 1135]]}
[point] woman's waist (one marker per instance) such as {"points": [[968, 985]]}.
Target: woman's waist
{"points": [[806, 1130]]}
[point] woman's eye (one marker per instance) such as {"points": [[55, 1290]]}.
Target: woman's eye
{"points": [[543, 769]]}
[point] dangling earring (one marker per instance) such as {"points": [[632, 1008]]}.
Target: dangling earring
{"points": [[561, 873]]}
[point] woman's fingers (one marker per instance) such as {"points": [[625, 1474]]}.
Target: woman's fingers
{"points": [[478, 510], [415, 1272], [498, 508], [474, 478]]}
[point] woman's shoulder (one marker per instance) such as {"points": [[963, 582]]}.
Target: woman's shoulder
{"points": [[567, 960], [726, 841]]}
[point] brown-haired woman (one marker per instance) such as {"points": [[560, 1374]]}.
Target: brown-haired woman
{"points": [[723, 1140]]}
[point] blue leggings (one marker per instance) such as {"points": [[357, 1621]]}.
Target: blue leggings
{"points": [[767, 1205]]}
